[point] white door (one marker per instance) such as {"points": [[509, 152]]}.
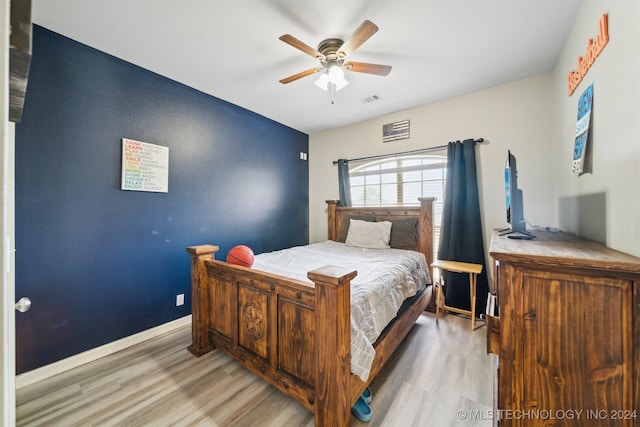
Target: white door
{"points": [[7, 280]]}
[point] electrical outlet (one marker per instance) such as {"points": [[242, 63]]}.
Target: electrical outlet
{"points": [[179, 300]]}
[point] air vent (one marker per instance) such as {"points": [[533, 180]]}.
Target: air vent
{"points": [[370, 99]]}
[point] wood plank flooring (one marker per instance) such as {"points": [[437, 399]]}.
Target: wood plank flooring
{"points": [[439, 376]]}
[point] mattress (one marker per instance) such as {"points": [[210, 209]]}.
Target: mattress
{"points": [[386, 277]]}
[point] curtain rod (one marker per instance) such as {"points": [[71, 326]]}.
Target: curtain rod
{"points": [[422, 150]]}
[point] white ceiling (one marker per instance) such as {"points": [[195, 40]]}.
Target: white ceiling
{"points": [[230, 48]]}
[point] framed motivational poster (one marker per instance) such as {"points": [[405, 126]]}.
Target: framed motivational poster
{"points": [[145, 167]]}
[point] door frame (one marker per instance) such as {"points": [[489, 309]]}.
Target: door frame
{"points": [[7, 233]]}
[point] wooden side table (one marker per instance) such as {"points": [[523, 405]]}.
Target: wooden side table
{"points": [[457, 267]]}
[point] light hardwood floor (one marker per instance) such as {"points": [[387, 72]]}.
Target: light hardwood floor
{"points": [[440, 376]]}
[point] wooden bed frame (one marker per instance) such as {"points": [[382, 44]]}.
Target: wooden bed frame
{"points": [[296, 335]]}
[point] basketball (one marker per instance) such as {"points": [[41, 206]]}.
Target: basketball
{"points": [[240, 255]]}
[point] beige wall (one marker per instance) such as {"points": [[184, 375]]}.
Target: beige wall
{"points": [[615, 127], [536, 120], [513, 116]]}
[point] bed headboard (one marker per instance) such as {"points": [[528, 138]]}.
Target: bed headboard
{"points": [[424, 213]]}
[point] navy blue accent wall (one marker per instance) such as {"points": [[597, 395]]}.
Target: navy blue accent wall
{"points": [[99, 263]]}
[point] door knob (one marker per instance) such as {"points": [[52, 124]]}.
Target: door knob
{"points": [[23, 305]]}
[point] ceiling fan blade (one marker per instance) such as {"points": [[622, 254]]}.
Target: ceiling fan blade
{"points": [[359, 36], [300, 75], [363, 67], [292, 41]]}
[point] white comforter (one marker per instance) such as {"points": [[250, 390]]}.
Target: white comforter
{"points": [[386, 277]]}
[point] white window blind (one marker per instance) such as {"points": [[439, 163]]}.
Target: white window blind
{"points": [[400, 181]]}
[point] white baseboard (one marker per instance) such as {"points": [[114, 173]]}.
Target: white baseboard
{"points": [[63, 365]]}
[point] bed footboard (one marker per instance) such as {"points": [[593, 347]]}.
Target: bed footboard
{"points": [[295, 335]]}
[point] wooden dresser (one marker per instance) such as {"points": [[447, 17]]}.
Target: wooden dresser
{"points": [[567, 332]]}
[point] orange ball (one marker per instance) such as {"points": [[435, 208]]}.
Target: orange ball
{"points": [[240, 255]]}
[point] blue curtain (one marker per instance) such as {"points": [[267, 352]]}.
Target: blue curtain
{"points": [[343, 182], [461, 230]]}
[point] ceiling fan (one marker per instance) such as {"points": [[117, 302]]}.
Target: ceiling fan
{"points": [[332, 54]]}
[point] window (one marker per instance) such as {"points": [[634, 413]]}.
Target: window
{"points": [[399, 182]]}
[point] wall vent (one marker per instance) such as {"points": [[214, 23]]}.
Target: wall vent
{"points": [[370, 99]]}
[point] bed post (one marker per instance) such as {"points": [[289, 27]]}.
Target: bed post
{"points": [[333, 332], [334, 227], [199, 302], [425, 242]]}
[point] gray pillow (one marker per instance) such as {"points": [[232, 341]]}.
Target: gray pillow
{"points": [[404, 231]]}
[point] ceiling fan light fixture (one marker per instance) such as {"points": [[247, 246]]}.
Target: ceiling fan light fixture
{"points": [[323, 81], [341, 83], [336, 75], [332, 78]]}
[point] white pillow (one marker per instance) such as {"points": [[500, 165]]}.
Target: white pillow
{"points": [[366, 234]]}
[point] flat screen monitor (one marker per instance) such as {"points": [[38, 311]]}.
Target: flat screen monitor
{"points": [[513, 197]]}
